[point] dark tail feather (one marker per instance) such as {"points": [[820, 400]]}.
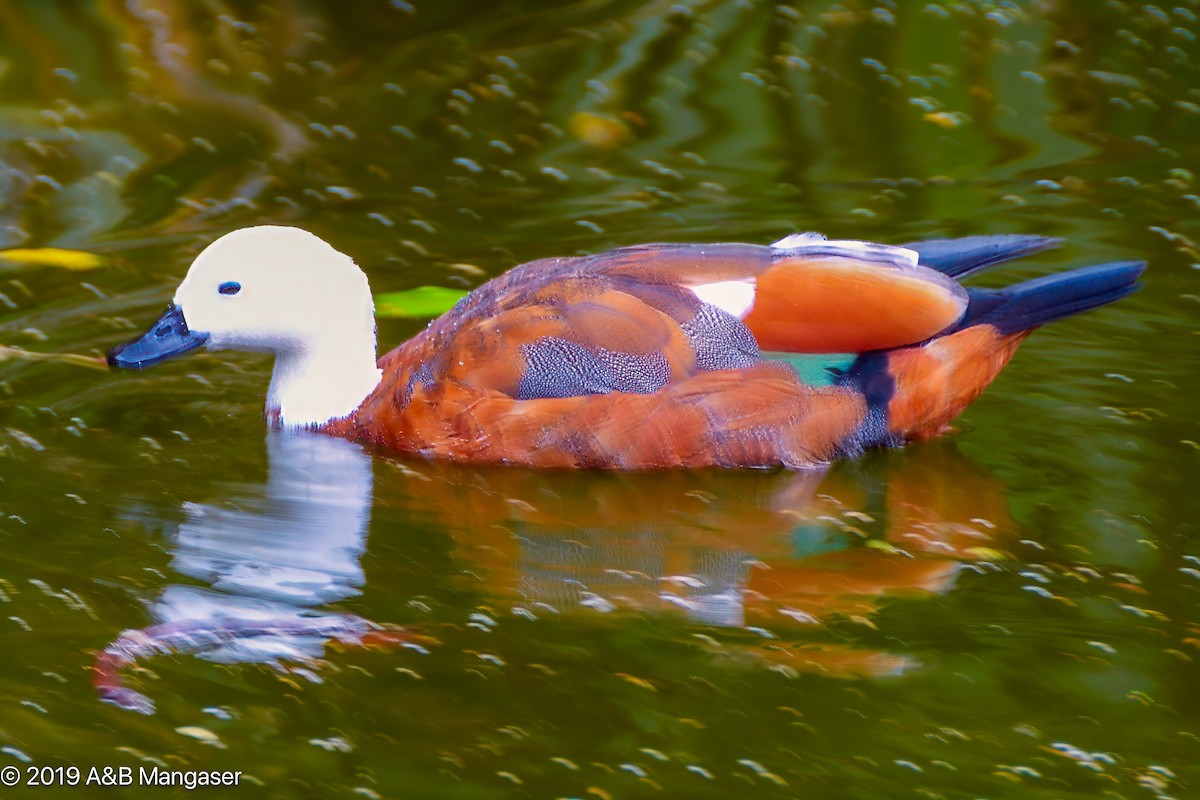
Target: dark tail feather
{"points": [[959, 258], [1032, 303]]}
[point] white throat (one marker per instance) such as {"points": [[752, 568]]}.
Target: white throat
{"points": [[312, 385]]}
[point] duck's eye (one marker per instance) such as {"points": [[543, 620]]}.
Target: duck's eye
{"points": [[229, 287]]}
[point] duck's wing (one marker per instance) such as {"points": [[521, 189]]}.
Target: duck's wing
{"points": [[636, 319], [804, 294], [579, 337]]}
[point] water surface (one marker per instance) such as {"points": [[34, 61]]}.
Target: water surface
{"points": [[1013, 611]]}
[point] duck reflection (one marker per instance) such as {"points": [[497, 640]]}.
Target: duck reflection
{"points": [[269, 563], [296, 545], [788, 551]]}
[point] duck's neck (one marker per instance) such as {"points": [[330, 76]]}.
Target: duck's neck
{"points": [[313, 385]]}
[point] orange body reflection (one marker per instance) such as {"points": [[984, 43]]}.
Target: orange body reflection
{"points": [[779, 550]]}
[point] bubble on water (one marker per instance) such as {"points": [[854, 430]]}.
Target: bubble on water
{"points": [[16, 753], [26, 440], [334, 744], [203, 735], [660, 169], [1019, 771]]}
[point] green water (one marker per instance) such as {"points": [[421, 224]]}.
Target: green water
{"points": [[1013, 611]]}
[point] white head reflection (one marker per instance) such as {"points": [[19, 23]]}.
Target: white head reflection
{"points": [[270, 555], [276, 551]]}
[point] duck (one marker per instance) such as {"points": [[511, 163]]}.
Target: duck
{"points": [[652, 356]]}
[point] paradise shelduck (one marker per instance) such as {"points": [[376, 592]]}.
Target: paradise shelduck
{"points": [[653, 356]]}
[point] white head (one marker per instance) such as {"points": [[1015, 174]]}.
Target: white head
{"points": [[283, 291]]}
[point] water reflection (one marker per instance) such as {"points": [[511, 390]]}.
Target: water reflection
{"points": [[270, 556], [297, 544], [779, 553]]}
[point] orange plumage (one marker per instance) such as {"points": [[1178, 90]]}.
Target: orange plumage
{"points": [[623, 360]]}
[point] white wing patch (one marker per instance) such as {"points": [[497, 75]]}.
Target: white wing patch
{"points": [[736, 297], [801, 243], [794, 240]]}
